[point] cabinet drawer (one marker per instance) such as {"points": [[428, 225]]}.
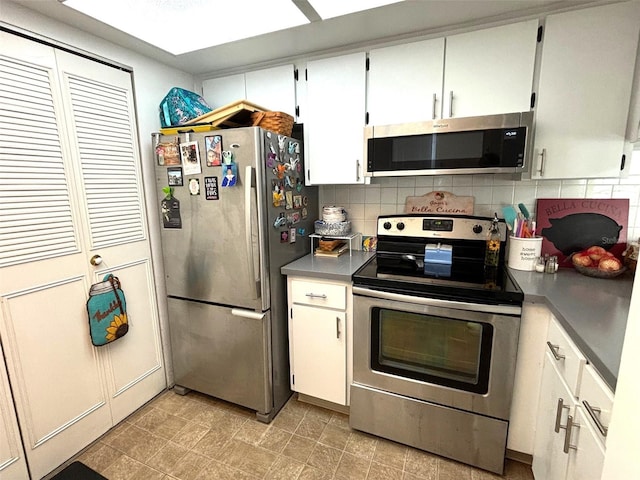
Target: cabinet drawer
{"points": [[319, 294], [568, 359], [597, 400]]}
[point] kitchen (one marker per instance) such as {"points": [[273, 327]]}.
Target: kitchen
{"points": [[364, 202]]}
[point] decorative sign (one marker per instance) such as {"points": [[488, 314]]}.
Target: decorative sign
{"points": [[211, 188], [568, 225], [440, 203]]}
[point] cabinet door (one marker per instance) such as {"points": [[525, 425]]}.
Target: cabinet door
{"points": [[586, 455], [273, 89], [334, 120], [405, 82], [586, 73], [549, 460], [490, 71], [319, 354], [224, 90]]}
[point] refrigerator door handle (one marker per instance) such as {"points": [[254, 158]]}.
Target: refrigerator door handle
{"points": [[249, 182], [247, 314]]}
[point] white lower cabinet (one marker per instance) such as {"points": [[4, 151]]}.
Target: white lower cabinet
{"points": [[320, 339], [573, 414]]}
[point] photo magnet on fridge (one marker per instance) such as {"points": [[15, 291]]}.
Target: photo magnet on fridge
{"points": [[213, 146], [174, 175], [211, 188], [167, 154], [190, 154], [194, 186]]}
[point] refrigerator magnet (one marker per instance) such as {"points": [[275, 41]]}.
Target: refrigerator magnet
{"points": [[297, 201], [284, 236], [299, 184], [194, 186], [167, 154], [230, 175], [293, 146], [280, 221], [279, 170], [190, 154], [211, 188], [302, 231], [289, 181], [304, 212], [213, 146], [288, 195], [170, 208], [292, 235], [293, 218], [271, 160], [277, 194], [174, 176]]}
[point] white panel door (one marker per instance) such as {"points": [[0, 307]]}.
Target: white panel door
{"points": [[405, 82], [334, 120], [69, 158], [319, 353], [222, 91], [106, 153], [13, 463], [273, 88], [490, 71], [56, 374]]}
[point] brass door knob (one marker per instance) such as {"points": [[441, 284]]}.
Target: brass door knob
{"points": [[96, 260]]}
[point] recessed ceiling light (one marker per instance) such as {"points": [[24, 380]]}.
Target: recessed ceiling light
{"points": [[181, 26]]}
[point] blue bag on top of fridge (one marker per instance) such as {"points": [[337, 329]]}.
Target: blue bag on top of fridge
{"points": [[180, 106]]}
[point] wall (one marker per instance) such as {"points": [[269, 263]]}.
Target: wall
{"points": [[152, 80], [387, 195]]}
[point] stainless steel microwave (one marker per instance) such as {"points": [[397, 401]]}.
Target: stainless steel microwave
{"points": [[485, 144]]}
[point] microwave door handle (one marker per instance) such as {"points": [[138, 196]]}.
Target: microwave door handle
{"points": [[248, 186]]}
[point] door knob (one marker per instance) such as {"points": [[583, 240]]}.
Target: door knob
{"points": [[96, 260]]}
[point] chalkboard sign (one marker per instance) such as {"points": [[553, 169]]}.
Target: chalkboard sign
{"points": [[568, 225]]}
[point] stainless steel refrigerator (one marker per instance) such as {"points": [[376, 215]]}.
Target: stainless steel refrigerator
{"points": [[234, 210]]}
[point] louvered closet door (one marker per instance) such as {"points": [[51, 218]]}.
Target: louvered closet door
{"points": [[56, 375], [70, 183], [99, 111]]}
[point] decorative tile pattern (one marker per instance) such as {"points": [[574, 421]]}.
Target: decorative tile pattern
{"points": [[196, 437]]}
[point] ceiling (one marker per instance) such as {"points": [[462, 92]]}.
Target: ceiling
{"points": [[383, 24]]}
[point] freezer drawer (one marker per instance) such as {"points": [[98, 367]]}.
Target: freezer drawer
{"points": [[222, 354]]}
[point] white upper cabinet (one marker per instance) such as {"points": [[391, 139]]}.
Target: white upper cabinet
{"points": [[405, 82], [335, 119], [490, 71], [586, 73], [271, 88]]}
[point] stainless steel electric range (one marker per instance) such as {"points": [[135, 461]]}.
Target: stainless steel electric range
{"points": [[435, 338]]}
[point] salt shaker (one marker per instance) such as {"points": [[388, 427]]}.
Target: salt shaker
{"points": [[552, 264]]}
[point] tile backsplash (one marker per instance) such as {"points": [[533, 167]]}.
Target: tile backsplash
{"points": [[387, 195]]}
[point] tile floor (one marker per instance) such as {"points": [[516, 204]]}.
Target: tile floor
{"points": [[196, 437]]}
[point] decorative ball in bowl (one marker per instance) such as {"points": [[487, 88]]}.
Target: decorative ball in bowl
{"points": [[597, 262]]}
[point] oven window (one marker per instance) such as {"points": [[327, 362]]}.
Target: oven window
{"points": [[450, 352]]}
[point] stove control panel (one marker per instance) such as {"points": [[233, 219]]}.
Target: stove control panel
{"points": [[434, 226]]}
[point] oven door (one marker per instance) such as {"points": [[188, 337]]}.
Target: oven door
{"points": [[452, 353]]}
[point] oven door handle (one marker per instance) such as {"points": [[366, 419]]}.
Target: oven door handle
{"points": [[435, 302]]}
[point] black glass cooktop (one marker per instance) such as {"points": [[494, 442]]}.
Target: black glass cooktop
{"points": [[465, 279]]}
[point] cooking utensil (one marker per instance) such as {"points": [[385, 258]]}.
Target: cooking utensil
{"points": [[510, 216], [524, 210]]}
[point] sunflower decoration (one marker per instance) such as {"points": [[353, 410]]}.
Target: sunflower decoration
{"points": [[493, 245], [119, 326]]}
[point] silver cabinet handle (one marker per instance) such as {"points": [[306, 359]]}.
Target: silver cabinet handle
{"points": [[338, 327], [248, 185], [592, 411], [433, 114], [315, 295], [451, 103], [543, 156], [357, 170], [559, 409], [554, 350], [567, 435]]}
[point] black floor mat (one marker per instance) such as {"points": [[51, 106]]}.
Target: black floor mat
{"points": [[78, 471]]}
